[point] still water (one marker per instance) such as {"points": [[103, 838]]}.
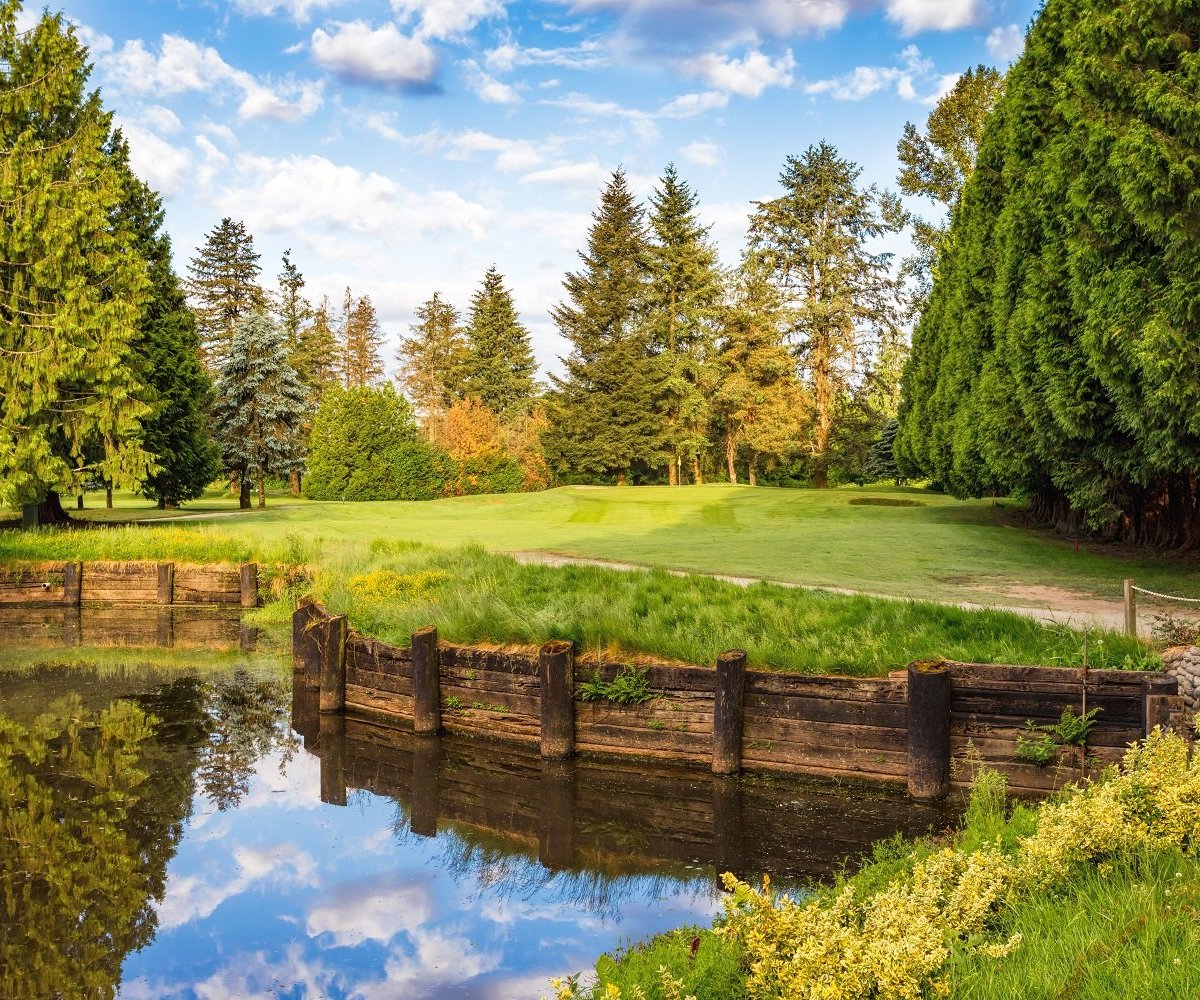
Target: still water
{"points": [[176, 824]]}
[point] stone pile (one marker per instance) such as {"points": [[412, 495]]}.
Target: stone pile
{"points": [[1183, 663]]}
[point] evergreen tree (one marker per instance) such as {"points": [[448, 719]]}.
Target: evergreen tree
{"points": [[223, 285], [315, 354], [498, 366], [365, 446], [602, 414], [362, 365], [684, 294], [261, 404], [167, 352], [432, 359], [881, 464], [71, 285], [814, 239], [292, 308]]}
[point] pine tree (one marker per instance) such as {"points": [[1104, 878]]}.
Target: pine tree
{"points": [[602, 414], [432, 359], [315, 354], [71, 284], [814, 239], [684, 295], [261, 405], [223, 285], [167, 353], [498, 366], [292, 308], [362, 365]]}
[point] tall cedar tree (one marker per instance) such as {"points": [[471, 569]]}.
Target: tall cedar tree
{"points": [[498, 368], [602, 413], [261, 404], [1056, 357], [936, 163], [433, 357], [760, 407], [71, 284], [684, 296], [223, 286], [167, 349], [835, 292], [362, 365]]}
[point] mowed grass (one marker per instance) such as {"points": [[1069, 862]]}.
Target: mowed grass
{"points": [[941, 549], [390, 588]]}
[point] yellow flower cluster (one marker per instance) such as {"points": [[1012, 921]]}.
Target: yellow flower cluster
{"points": [[389, 587]]}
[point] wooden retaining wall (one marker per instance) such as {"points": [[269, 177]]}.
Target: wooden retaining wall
{"points": [[927, 727], [70, 584], [212, 627]]}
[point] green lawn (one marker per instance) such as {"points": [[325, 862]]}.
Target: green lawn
{"points": [[944, 549]]}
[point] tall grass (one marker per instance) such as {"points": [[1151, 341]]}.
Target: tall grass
{"points": [[391, 588]]}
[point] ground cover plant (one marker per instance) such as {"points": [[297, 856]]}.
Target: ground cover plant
{"points": [[1092, 893], [390, 588]]}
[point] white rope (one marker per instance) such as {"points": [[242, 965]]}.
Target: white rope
{"points": [[1167, 597]]}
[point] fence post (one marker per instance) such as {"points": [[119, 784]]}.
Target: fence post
{"points": [[928, 730], [1130, 609], [166, 583], [333, 665], [73, 585], [248, 579], [556, 671], [426, 682], [727, 712]]}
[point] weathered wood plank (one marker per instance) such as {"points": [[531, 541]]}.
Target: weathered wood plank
{"points": [[761, 727], [828, 710]]}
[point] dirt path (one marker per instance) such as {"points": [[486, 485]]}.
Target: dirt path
{"points": [[1060, 607]]}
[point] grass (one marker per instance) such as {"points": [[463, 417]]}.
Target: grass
{"points": [[942, 549], [389, 589]]}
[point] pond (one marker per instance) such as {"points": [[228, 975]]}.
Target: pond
{"points": [[181, 822]]}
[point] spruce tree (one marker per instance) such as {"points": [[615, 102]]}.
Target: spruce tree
{"points": [[432, 359], [223, 285], [167, 353], [498, 365], [292, 308], [602, 413], [71, 283], [315, 354], [683, 299], [261, 405], [362, 365], [815, 240]]}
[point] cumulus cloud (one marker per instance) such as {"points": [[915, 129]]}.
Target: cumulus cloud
{"points": [[441, 959], [446, 18], [509, 55], [488, 88], [374, 910], [690, 105], [159, 163], [1006, 42], [748, 76], [589, 175], [915, 16], [160, 119], [383, 56], [702, 152], [297, 10], [913, 79]]}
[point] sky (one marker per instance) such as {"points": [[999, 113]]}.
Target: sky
{"points": [[401, 147]]}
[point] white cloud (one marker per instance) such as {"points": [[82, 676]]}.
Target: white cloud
{"points": [[383, 55], [301, 100], [690, 105], [702, 152], [915, 16], [727, 19], [1006, 42], [297, 10], [748, 76], [914, 80], [446, 18], [488, 88], [509, 55], [157, 162], [590, 175], [160, 119], [377, 910], [511, 154], [442, 959]]}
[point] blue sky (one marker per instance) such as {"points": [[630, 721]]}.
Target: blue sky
{"points": [[402, 146]]}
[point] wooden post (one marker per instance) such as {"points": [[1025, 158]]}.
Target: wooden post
{"points": [[556, 670], [426, 683], [729, 840], [164, 628], [73, 626], [73, 585], [1159, 696], [331, 747], [166, 583], [928, 730], [249, 585], [426, 787], [306, 649], [1130, 609], [556, 819], [333, 664], [727, 712]]}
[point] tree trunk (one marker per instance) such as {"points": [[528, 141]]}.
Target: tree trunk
{"points": [[821, 473], [673, 472], [730, 453], [162, 503], [108, 494], [50, 510], [752, 470], [623, 477], [697, 475], [294, 479], [243, 482], [262, 490], [79, 502]]}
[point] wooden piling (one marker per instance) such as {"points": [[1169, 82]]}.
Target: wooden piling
{"points": [[1161, 696], [728, 830], [928, 730], [248, 574], [557, 819], [331, 748], [333, 664], [1130, 609], [164, 627], [73, 585], [306, 647], [426, 786], [556, 671], [727, 712], [426, 683], [166, 583]]}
